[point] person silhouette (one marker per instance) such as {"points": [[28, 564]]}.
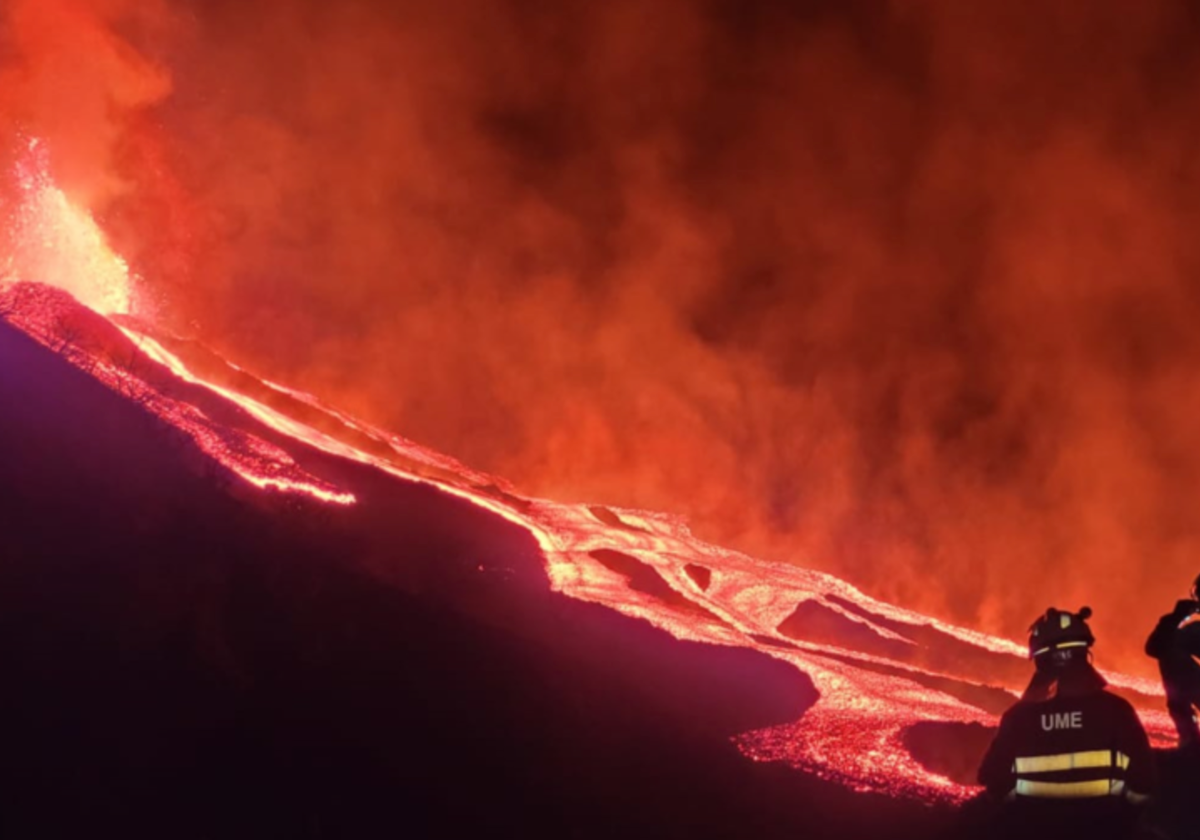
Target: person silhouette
{"points": [[1175, 642], [1070, 756]]}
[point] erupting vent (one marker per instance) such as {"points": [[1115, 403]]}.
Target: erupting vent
{"points": [[52, 238]]}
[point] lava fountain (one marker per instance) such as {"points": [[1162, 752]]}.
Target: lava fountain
{"points": [[52, 238]]}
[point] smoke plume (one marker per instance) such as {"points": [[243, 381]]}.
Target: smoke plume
{"points": [[902, 291], [71, 75]]}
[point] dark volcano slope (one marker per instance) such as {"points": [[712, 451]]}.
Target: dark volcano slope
{"points": [[178, 660]]}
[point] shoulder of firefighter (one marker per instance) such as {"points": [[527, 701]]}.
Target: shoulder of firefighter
{"points": [[1074, 748], [1178, 630]]}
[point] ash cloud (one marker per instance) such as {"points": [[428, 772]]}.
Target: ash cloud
{"points": [[72, 75], [72, 80], [902, 291]]}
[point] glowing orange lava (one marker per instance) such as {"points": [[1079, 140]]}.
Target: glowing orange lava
{"points": [[868, 699], [52, 238]]}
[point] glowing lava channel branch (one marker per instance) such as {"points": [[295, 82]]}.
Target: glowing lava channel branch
{"points": [[854, 733], [50, 240]]}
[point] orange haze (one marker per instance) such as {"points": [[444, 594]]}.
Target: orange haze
{"points": [[905, 291]]}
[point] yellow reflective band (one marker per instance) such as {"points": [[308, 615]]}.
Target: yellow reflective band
{"points": [[1123, 761], [1062, 646], [1067, 761], [1065, 790]]}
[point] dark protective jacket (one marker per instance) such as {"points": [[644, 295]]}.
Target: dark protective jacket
{"points": [[1174, 642], [1079, 760], [1175, 636]]}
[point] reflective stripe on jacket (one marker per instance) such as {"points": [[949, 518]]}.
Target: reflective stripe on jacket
{"points": [[1078, 747]]}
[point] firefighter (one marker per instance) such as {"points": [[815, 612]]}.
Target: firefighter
{"points": [[1069, 756], [1174, 642]]}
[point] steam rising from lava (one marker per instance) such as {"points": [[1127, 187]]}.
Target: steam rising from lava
{"points": [[903, 292]]}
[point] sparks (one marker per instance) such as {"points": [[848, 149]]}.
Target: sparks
{"points": [[57, 243]]}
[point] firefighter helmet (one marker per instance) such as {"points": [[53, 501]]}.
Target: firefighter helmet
{"points": [[1061, 633]]}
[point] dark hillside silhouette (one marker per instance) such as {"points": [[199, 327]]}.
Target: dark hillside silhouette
{"points": [[181, 658]]}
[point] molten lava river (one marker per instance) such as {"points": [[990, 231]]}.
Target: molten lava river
{"points": [[880, 670]]}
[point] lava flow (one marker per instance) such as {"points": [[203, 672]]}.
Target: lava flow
{"points": [[880, 670]]}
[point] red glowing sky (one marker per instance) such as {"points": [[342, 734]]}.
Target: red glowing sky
{"points": [[901, 292]]}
